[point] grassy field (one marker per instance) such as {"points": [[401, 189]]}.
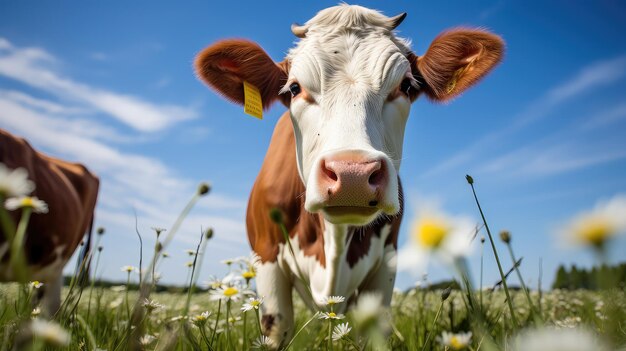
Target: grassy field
{"points": [[226, 316], [415, 323]]}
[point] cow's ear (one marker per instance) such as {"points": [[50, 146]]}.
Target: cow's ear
{"points": [[456, 60], [226, 64]]}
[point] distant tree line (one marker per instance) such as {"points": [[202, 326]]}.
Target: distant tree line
{"points": [[581, 278]]}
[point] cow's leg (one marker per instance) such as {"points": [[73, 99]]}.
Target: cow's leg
{"points": [[51, 300], [277, 310], [383, 278]]}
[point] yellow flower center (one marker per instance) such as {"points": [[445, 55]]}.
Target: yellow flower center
{"points": [[431, 233], [456, 344], [332, 314], [248, 274], [230, 291], [595, 231], [27, 202], [255, 303]]}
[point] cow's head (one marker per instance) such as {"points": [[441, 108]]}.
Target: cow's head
{"points": [[349, 84]]}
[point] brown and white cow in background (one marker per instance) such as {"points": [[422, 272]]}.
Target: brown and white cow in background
{"points": [[349, 84], [70, 191]]}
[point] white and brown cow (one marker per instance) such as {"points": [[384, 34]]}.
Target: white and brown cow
{"points": [[332, 164], [70, 191]]}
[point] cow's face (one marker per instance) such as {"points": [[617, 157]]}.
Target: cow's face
{"points": [[349, 84]]}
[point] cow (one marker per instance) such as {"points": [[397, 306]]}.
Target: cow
{"points": [[70, 191], [332, 165]]}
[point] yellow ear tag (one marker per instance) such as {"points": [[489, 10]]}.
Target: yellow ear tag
{"points": [[252, 105]]}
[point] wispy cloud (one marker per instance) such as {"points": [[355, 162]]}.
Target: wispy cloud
{"points": [[587, 79], [32, 66]]}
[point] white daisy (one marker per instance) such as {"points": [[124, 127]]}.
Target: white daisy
{"points": [[50, 332], [263, 343], [598, 225], [332, 300], [151, 305], [14, 183], [36, 284], [253, 304], [129, 269], [146, 339], [341, 331], [552, 339], [226, 293], [455, 341], [330, 315], [202, 317], [368, 308], [38, 206]]}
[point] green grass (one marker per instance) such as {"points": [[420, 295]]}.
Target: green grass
{"points": [[413, 314]]}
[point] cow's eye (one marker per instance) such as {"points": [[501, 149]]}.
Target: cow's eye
{"points": [[406, 86], [294, 88]]}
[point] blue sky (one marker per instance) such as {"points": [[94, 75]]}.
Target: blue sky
{"points": [[111, 85]]}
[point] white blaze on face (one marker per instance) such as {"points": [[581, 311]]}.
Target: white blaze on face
{"points": [[349, 66]]}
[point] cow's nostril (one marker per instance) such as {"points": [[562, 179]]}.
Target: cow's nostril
{"points": [[376, 178], [329, 172]]}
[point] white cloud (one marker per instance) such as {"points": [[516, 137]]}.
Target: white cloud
{"points": [[31, 66]]}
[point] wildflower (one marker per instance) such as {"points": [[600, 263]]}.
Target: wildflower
{"points": [[332, 300], [249, 274], [331, 315], [165, 255], [116, 303], [431, 232], [158, 231], [455, 341], [505, 236], [228, 261], [100, 230], [341, 331], [368, 308], [214, 283], [36, 284], [189, 264], [209, 233], [15, 182], [151, 305], [146, 340], [38, 206], [227, 293], [263, 343], [550, 339], [35, 312], [202, 317], [597, 226], [128, 269], [253, 303], [191, 252], [50, 332]]}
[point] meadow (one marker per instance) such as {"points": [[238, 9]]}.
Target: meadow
{"points": [[224, 314]]}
